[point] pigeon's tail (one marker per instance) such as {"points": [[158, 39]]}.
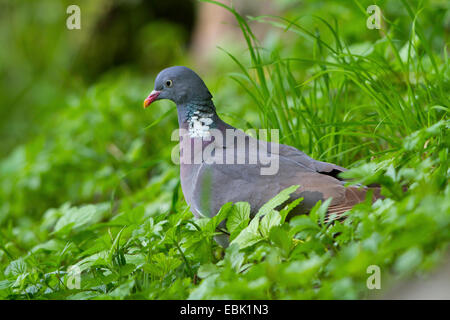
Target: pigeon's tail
{"points": [[353, 196]]}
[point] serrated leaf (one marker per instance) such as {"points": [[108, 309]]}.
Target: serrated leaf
{"points": [[248, 236], [16, 268], [319, 211], [301, 223], [276, 201], [288, 208], [161, 264], [4, 284], [239, 214], [123, 290], [270, 220], [238, 219]]}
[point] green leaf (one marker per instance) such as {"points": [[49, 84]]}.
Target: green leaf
{"points": [[78, 218], [238, 218], [248, 236], [270, 220], [302, 272], [123, 290], [281, 238], [161, 264], [207, 270], [240, 213], [409, 260], [319, 211], [96, 259], [288, 208], [303, 222], [4, 284], [234, 257], [214, 222], [16, 268], [84, 295], [115, 246], [50, 245], [276, 201]]}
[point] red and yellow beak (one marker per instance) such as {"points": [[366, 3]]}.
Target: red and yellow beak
{"points": [[152, 97]]}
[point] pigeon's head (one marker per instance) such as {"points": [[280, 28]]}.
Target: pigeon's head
{"points": [[179, 84]]}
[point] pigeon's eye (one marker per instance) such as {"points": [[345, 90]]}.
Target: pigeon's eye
{"points": [[169, 83]]}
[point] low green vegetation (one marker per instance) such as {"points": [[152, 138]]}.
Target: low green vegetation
{"points": [[91, 206]]}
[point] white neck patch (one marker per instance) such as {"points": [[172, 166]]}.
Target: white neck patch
{"points": [[199, 125]]}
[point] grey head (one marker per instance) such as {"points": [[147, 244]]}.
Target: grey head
{"points": [[180, 85]]}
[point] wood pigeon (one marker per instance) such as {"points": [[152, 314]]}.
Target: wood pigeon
{"points": [[226, 170]]}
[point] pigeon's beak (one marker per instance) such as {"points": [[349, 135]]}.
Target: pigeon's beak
{"points": [[152, 97]]}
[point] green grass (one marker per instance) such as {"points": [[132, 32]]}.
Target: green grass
{"points": [[375, 93], [96, 188]]}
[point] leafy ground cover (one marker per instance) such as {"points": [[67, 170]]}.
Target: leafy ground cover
{"points": [[96, 195]]}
